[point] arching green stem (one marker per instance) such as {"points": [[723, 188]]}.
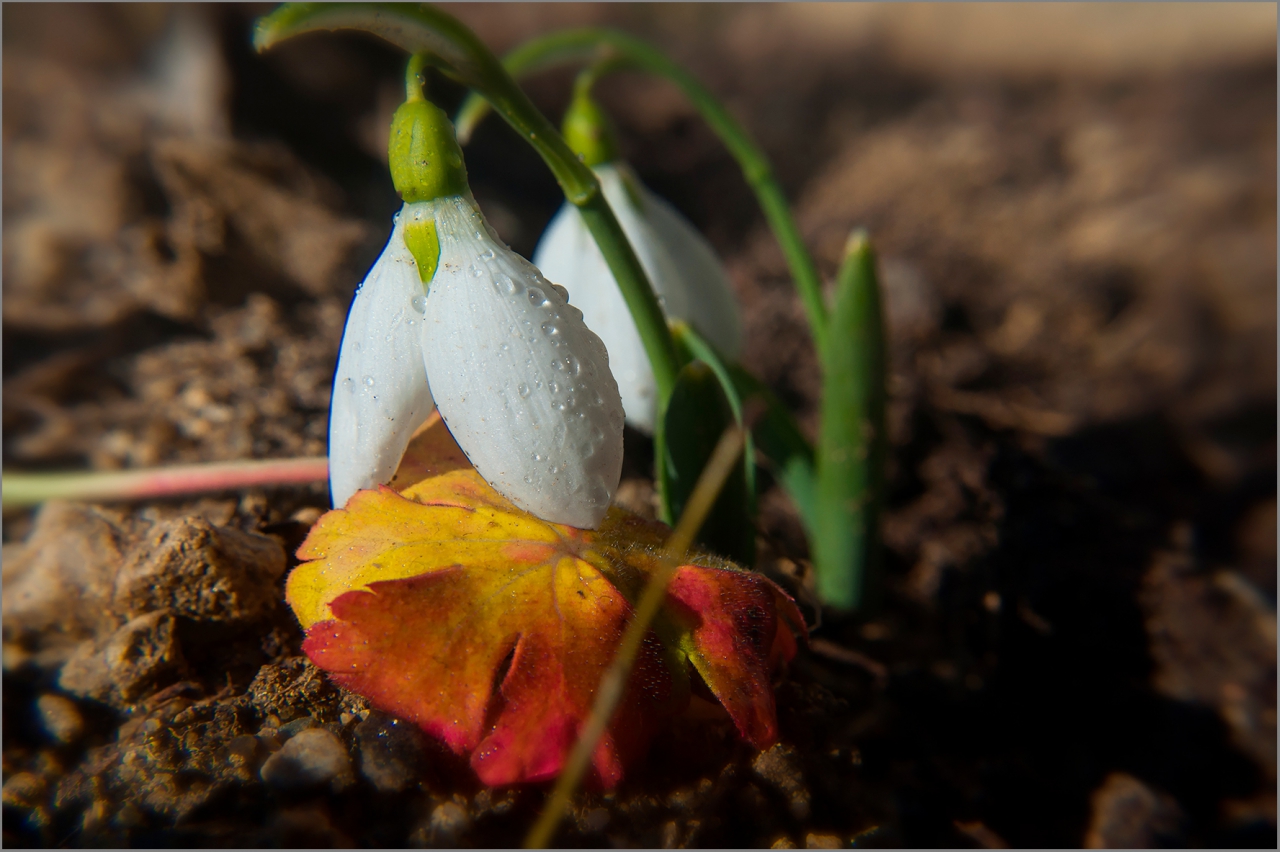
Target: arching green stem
{"points": [[603, 45], [456, 51]]}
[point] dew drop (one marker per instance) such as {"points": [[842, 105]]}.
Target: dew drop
{"points": [[537, 298], [419, 304], [528, 480], [570, 402], [504, 284], [571, 365], [561, 292], [523, 390], [368, 381], [553, 386], [550, 329], [539, 457], [487, 254], [348, 383], [477, 270]]}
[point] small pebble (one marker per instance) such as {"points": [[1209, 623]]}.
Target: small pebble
{"points": [[595, 820], [391, 752], [307, 515], [448, 822], [23, 789], [60, 717], [312, 757], [297, 726]]}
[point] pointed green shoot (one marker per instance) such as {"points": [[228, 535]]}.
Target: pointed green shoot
{"points": [[851, 447]]}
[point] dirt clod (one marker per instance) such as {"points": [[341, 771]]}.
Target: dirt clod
{"points": [[1128, 814], [191, 568], [127, 663]]}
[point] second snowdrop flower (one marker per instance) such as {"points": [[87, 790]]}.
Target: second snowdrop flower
{"points": [[688, 279], [449, 316]]}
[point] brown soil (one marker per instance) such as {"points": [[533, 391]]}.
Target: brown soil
{"points": [[1077, 222]]}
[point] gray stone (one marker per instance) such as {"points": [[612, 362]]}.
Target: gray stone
{"points": [[311, 758], [448, 822], [193, 568], [391, 752], [128, 663]]}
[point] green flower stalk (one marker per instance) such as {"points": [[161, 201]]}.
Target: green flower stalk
{"points": [[448, 45]]}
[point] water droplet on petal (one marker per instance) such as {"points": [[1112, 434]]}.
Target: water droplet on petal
{"points": [[553, 386], [348, 383], [538, 457], [368, 381], [504, 284], [477, 270], [419, 303], [528, 480], [487, 254], [561, 292], [550, 329], [523, 390], [537, 298]]}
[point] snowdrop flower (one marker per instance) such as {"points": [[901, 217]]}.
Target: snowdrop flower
{"points": [[449, 316], [689, 281]]}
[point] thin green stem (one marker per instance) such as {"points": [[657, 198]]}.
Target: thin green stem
{"points": [[29, 489], [413, 78], [594, 45], [452, 47], [612, 685]]}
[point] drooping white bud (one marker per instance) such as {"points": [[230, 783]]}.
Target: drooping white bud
{"points": [[687, 277]]}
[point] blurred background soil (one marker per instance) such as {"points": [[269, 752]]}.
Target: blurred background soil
{"points": [[1075, 208]]}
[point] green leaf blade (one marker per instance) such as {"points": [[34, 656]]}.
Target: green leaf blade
{"points": [[851, 447]]}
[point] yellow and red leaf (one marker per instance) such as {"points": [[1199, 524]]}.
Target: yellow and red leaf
{"points": [[489, 628]]}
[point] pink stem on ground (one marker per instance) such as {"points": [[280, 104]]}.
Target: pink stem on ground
{"points": [[28, 489]]}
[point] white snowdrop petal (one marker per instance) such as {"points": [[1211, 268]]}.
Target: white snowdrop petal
{"points": [[380, 391], [710, 304], [568, 255], [523, 385], [686, 275]]}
